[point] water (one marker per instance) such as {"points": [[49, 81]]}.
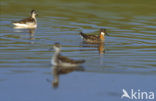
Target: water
{"points": [[128, 60]]}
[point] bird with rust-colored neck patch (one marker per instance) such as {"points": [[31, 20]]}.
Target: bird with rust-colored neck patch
{"points": [[94, 38], [59, 60], [30, 22]]}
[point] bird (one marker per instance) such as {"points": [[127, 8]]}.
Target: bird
{"points": [[59, 60], [94, 38], [30, 22]]}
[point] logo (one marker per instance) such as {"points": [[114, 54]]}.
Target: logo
{"points": [[138, 94]]}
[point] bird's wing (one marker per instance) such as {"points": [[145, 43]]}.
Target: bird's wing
{"points": [[66, 59], [26, 20], [90, 37]]}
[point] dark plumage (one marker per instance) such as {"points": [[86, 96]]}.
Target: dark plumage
{"points": [[67, 60], [89, 37], [59, 60], [26, 20], [94, 38], [30, 22]]}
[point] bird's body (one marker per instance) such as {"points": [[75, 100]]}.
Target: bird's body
{"points": [[90, 38], [59, 60], [30, 22], [94, 38]]}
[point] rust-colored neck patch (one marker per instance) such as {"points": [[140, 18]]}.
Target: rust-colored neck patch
{"points": [[101, 37]]}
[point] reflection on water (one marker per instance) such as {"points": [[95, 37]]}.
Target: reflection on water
{"points": [[131, 47], [131, 44], [59, 70], [30, 31], [100, 46]]}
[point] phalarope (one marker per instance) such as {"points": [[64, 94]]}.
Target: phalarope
{"points": [[94, 38], [30, 22], [59, 60]]}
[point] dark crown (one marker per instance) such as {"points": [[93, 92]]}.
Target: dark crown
{"points": [[33, 11], [102, 30], [57, 45]]}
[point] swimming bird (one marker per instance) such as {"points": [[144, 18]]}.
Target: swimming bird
{"points": [[94, 38], [59, 60], [30, 22]]}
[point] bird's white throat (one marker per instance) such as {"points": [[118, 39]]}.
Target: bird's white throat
{"points": [[102, 33]]}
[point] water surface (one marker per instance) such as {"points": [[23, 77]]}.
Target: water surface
{"points": [[127, 59]]}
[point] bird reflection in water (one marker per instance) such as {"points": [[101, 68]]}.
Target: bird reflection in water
{"points": [[59, 70], [100, 47], [31, 32]]}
